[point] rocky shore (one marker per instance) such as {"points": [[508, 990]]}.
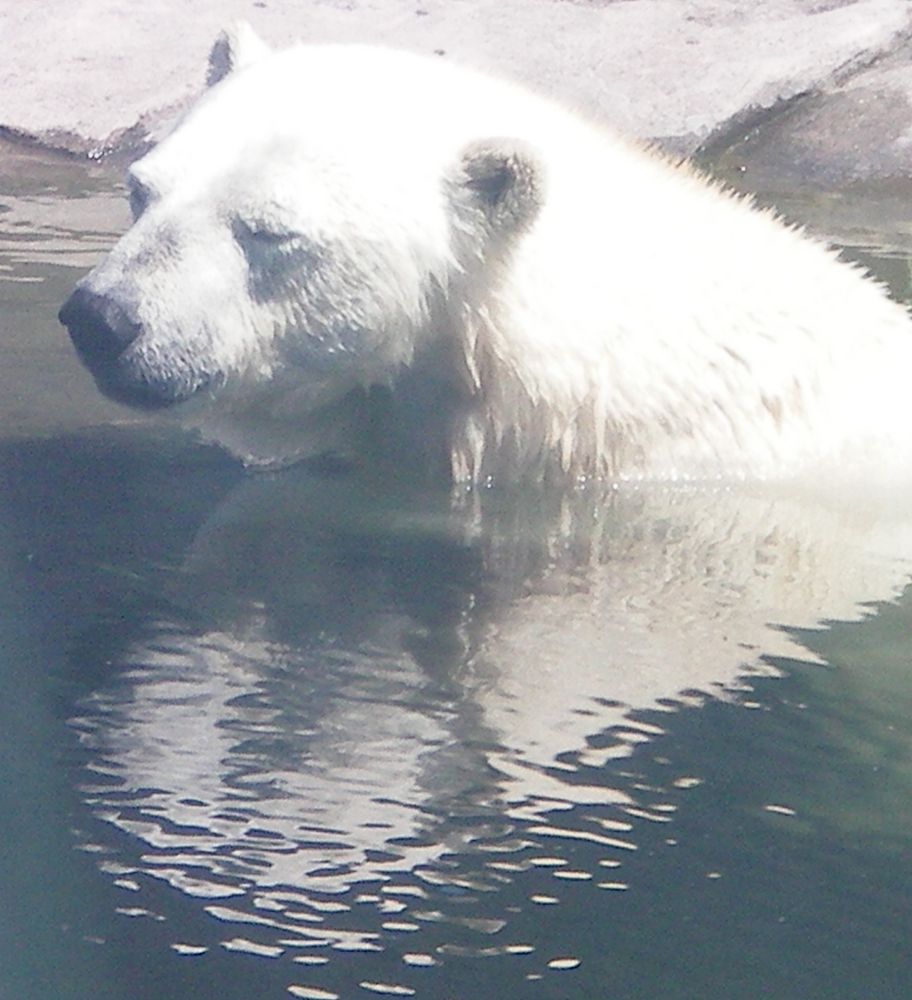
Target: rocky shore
{"points": [[814, 90]]}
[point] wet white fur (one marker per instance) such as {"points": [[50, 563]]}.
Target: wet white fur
{"points": [[632, 321]]}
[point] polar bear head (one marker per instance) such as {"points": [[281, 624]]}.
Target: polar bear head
{"points": [[301, 234]]}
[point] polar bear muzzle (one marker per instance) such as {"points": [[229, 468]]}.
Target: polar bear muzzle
{"points": [[102, 330]]}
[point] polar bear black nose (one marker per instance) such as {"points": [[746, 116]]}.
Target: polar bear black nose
{"points": [[99, 328]]}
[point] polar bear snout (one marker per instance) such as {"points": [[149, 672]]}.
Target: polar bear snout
{"points": [[99, 328], [101, 331]]}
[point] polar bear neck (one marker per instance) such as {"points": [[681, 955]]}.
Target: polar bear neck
{"points": [[730, 413], [736, 347]]}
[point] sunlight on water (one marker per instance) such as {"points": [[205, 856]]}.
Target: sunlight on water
{"points": [[57, 219], [54, 211]]}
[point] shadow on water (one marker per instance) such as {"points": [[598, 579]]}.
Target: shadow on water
{"points": [[315, 735]]}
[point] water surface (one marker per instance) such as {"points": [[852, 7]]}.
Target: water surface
{"points": [[310, 735]]}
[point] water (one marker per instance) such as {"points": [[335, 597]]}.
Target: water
{"points": [[307, 735]]}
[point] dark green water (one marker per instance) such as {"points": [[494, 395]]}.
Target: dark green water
{"points": [[301, 735]]}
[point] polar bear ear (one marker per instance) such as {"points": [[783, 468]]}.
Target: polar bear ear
{"points": [[235, 48], [503, 178]]}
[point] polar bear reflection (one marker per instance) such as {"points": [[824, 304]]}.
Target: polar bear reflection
{"points": [[364, 674]]}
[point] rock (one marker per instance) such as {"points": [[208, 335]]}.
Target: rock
{"points": [[95, 77], [856, 132]]}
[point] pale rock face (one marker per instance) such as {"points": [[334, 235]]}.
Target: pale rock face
{"points": [[355, 251]]}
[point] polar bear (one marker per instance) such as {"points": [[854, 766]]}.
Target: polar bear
{"points": [[345, 250]]}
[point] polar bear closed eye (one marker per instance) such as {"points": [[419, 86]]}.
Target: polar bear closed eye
{"points": [[357, 251]]}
